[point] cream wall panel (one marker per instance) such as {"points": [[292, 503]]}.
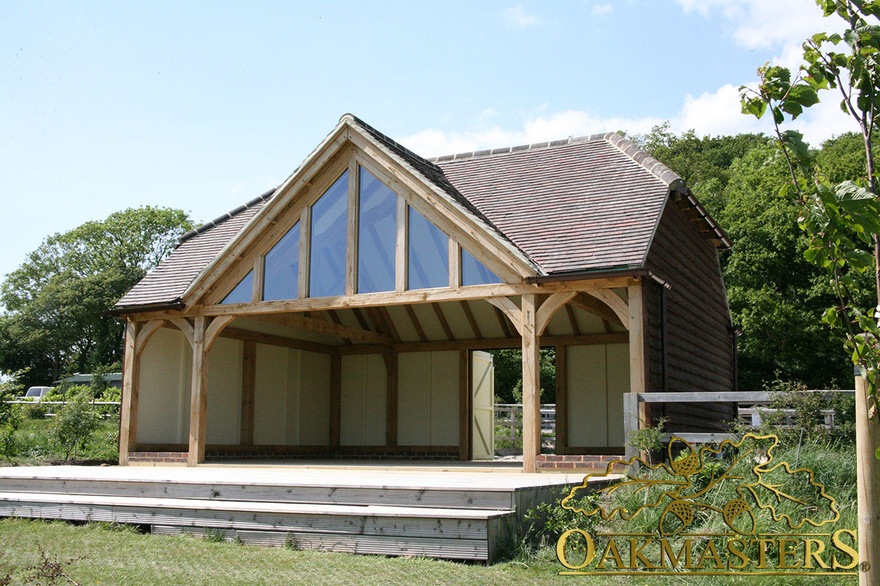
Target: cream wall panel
{"points": [[444, 398], [618, 384], [292, 392], [414, 399], [270, 400], [587, 396], [362, 417], [428, 399], [598, 376], [314, 400], [163, 401], [224, 392]]}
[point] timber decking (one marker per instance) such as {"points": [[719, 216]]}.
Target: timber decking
{"points": [[454, 515]]}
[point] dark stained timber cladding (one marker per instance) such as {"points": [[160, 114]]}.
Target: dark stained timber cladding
{"points": [[699, 349]]}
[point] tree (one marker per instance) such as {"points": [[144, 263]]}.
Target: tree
{"points": [[776, 297], [55, 304], [842, 220]]}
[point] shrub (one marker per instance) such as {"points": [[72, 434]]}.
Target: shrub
{"points": [[75, 423]]}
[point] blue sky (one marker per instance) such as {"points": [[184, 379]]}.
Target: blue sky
{"points": [[204, 105]]}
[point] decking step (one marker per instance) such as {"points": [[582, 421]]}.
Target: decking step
{"points": [[449, 533], [316, 494]]}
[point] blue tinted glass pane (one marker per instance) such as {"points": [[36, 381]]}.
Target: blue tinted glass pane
{"points": [[377, 235], [282, 268], [327, 259], [243, 292], [473, 272], [428, 253]]}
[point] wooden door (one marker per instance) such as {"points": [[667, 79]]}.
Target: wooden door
{"points": [[483, 385]]}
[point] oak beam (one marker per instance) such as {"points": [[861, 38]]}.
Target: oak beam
{"points": [[281, 341], [475, 327], [414, 319], [572, 320], [444, 323], [487, 344], [321, 326]]}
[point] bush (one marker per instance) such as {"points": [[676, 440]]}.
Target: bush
{"points": [[76, 422]]}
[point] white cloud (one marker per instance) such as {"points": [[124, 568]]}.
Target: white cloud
{"points": [[519, 17], [554, 126], [762, 24], [712, 113], [600, 9]]}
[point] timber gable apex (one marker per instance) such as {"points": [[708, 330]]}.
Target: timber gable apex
{"points": [[350, 146]]}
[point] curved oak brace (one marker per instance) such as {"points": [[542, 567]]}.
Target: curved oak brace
{"points": [[213, 331], [144, 334], [550, 307], [612, 300], [510, 309], [185, 327]]}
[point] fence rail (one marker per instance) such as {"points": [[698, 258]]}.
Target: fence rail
{"points": [[632, 419], [752, 409]]}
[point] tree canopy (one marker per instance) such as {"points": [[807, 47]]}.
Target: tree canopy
{"points": [[55, 304]]}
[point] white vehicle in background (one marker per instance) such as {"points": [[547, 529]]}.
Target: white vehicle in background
{"points": [[36, 394]]}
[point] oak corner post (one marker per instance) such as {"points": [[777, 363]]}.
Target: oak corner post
{"points": [[129, 405]]}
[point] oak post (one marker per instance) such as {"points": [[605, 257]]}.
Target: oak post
{"points": [[465, 405], [198, 409], [531, 384], [637, 370], [130, 384], [248, 391]]}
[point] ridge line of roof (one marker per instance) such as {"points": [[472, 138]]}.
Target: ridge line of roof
{"points": [[518, 148], [228, 215], [391, 142], [646, 161]]}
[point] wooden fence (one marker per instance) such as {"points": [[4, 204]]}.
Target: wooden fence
{"points": [[632, 412]]}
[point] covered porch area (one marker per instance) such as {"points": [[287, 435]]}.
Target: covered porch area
{"points": [[402, 377]]}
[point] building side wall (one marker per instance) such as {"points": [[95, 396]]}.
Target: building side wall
{"points": [[428, 397], [698, 344]]}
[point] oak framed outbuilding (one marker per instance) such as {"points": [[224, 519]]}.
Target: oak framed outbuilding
{"points": [[344, 312]]}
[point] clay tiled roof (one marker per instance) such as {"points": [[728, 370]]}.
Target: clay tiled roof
{"points": [[166, 284], [577, 205], [574, 205]]}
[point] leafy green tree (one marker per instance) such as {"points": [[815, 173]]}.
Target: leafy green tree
{"points": [[508, 375], [704, 163], [776, 296], [55, 303]]}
